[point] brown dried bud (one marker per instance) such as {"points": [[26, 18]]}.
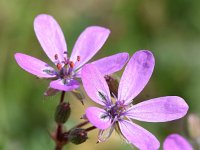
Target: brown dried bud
{"points": [[62, 113], [113, 84], [77, 136]]}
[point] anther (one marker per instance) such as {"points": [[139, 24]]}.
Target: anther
{"points": [[59, 66], [65, 54], [56, 56], [71, 64], [78, 58]]}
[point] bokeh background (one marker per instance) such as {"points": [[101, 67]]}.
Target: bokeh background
{"points": [[169, 28]]}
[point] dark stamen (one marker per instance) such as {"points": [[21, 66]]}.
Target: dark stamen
{"points": [[56, 56], [78, 58], [48, 71], [102, 95], [104, 116]]}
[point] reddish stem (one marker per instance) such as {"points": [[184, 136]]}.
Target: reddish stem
{"points": [[58, 147], [62, 97], [81, 124], [59, 142], [90, 128]]}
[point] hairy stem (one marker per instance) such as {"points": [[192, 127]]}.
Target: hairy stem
{"points": [[62, 97], [90, 128], [78, 126], [58, 147], [59, 129], [81, 124]]}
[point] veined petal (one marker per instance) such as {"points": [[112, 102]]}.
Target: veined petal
{"points": [[88, 44], [95, 85], [34, 66], [176, 142], [59, 85], [160, 109], [111, 64], [50, 36], [136, 75], [98, 117], [104, 135], [138, 136]]}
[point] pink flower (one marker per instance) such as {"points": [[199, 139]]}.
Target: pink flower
{"points": [[68, 69], [119, 112], [176, 142]]}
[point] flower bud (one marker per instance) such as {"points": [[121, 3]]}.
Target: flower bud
{"points": [[113, 84], [194, 126], [62, 113], [77, 136]]}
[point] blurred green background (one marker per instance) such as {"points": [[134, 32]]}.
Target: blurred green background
{"points": [[169, 28]]}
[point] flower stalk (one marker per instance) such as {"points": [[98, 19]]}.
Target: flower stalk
{"points": [[76, 135], [59, 129]]}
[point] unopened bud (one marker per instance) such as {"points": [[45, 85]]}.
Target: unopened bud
{"points": [[113, 84], [78, 136], [194, 126], [62, 113]]}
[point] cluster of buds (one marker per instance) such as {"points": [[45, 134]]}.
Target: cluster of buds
{"points": [[76, 135]]}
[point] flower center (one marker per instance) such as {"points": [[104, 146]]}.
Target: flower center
{"points": [[116, 110], [65, 68]]}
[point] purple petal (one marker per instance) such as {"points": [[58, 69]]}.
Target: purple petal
{"points": [[176, 142], [136, 75], [34, 66], [88, 43], [59, 85], [160, 109], [111, 64], [50, 36], [98, 118], [95, 85], [138, 136]]}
